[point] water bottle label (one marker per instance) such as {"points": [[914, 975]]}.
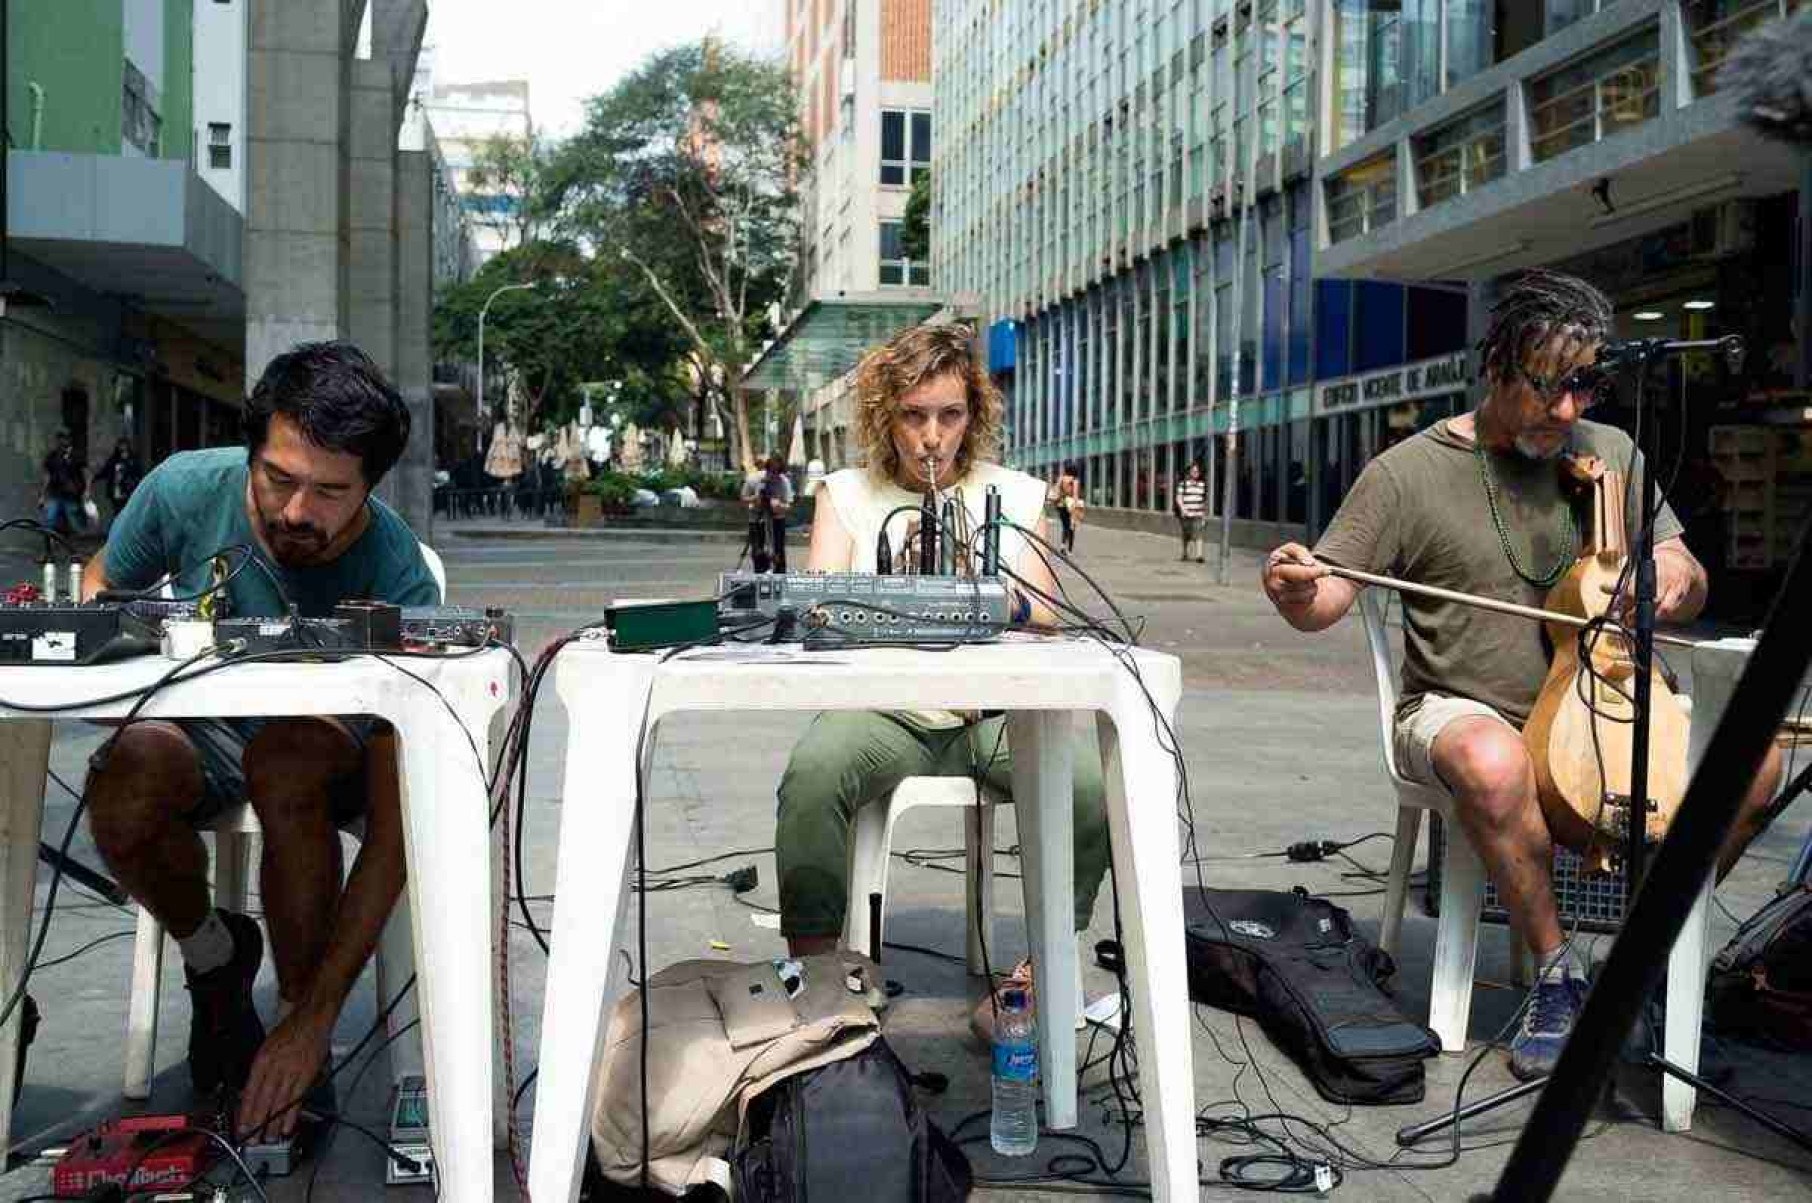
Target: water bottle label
{"points": [[1015, 1062]]}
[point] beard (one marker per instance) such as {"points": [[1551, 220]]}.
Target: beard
{"points": [[294, 546], [1529, 448]]}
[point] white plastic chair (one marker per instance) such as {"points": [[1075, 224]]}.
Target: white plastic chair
{"points": [[1462, 873], [1462, 895], [233, 830], [870, 852]]}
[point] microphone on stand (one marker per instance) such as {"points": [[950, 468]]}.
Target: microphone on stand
{"points": [[1636, 353], [947, 540], [928, 531], [990, 565]]}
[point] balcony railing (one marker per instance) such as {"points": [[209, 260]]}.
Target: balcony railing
{"points": [[1716, 26], [1461, 155], [1596, 97]]}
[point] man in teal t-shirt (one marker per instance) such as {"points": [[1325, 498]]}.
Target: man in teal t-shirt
{"points": [[322, 428]]}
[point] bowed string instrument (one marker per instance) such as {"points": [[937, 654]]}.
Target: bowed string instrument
{"points": [[1579, 732]]}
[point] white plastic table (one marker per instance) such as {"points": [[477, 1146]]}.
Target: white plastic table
{"points": [[1040, 683], [445, 823]]}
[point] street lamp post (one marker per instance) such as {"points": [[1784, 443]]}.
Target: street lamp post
{"points": [[482, 310]]}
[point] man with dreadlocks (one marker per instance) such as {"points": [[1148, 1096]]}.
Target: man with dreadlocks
{"points": [[1474, 504]]}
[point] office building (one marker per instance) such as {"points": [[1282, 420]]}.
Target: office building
{"points": [[1469, 140], [862, 71], [466, 116], [1125, 191], [181, 257]]}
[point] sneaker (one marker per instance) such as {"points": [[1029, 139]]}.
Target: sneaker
{"points": [[1546, 1025], [224, 1029], [981, 1021]]}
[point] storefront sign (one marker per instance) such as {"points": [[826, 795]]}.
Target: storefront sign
{"points": [[1429, 378]]}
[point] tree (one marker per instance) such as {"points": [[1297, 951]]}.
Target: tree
{"points": [[506, 171], [684, 172], [915, 234]]}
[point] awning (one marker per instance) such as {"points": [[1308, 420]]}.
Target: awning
{"points": [[830, 335]]}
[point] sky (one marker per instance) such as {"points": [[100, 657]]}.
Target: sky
{"points": [[570, 50]]}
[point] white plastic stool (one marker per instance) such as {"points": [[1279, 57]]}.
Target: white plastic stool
{"points": [[233, 832], [873, 843]]}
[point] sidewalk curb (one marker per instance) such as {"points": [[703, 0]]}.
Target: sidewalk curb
{"points": [[644, 533]]}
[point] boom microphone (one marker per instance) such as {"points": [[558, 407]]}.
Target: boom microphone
{"points": [[1636, 353], [1770, 74]]}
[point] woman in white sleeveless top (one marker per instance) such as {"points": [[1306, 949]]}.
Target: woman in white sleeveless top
{"points": [[924, 405]]}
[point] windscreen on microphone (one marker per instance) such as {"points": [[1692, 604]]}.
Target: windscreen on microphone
{"points": [[1770, 74]]}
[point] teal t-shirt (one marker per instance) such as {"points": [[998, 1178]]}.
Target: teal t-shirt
{"points": [[192, 506]]}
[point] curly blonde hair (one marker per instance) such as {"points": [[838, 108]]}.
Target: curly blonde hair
{"points": [[901, 364]]}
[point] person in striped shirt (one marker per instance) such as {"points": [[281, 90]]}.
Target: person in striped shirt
{"points": [[1191, 509]]}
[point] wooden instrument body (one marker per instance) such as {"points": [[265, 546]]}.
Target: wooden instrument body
{"points": [[1580, 731]]}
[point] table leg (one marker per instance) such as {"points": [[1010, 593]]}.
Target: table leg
{"points": [[24, 767], [597, 818], [1149, 881], [447, 845], [1044, 801]]}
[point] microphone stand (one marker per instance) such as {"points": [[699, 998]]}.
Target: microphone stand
{"points": [[1686, 867]]}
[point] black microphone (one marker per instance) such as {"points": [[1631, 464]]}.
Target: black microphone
{"points": [[1636, 353], [946, 551], [883, 554], [928, 534], [991, 532]]}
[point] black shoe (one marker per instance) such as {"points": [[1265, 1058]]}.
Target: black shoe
{"points": [[225, 1032]]}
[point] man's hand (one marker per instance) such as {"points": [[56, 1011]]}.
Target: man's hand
{"points": [[286, 1067], [1291, 577]]}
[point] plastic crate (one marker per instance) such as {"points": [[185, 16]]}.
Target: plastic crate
{"points": [[1596, 900]]}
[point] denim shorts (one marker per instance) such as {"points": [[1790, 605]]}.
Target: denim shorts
{"points": [[221, 744]]}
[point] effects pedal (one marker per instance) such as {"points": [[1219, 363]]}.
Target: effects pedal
{"points": [[257, 635], [409, 1133], [273, 1158], [154, 1149]]}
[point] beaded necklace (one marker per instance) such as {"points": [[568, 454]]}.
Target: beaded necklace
{"points": [[1569, 527]]}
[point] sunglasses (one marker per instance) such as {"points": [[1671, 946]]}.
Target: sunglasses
{"points": [[1588, 386]]}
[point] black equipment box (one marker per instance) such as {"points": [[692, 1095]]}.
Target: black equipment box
{"points": [[256, 635], [71, 633], [847, 609], [456, 626]]}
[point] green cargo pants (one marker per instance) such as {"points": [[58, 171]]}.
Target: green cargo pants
{"points": [[847, 759]]}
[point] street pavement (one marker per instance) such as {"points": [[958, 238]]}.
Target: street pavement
{"points": [[1280, 734]]}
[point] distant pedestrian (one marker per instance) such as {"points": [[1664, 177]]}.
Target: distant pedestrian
{"points": [[768, 494], [119, 474], [64, 491], [1066, 494], [1191, 508]]}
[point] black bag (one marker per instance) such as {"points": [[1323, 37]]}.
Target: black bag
{"points": [[1315, 985], [1760, 986], [847, 1130]]}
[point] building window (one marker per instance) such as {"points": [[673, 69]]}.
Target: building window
{"points": [[896, 268], [1362, 198], [1455, 158], [140, 125], [1714, 27], [1596, 96], [905, 146], [220, 145]]}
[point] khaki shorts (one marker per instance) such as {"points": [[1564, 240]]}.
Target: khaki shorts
{"points": [[1413, 737]]}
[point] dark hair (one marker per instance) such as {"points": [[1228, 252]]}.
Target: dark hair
{"points": [[774, 463], [338, 398], [1537, 306]]}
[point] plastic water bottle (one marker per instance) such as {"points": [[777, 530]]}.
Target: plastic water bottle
{"points": [[1013, 1130]]}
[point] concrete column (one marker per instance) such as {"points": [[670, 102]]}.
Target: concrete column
{"points": [[1480, 296], [296, 177], [412, 491], [1408, 199], [371, 214], [1675, 81], [1517, 149]]}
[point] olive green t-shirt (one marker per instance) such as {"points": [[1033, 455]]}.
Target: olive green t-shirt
{"points": [[1419, 512]]}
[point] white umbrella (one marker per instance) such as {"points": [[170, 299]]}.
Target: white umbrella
{"points": [[795, 452]]}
